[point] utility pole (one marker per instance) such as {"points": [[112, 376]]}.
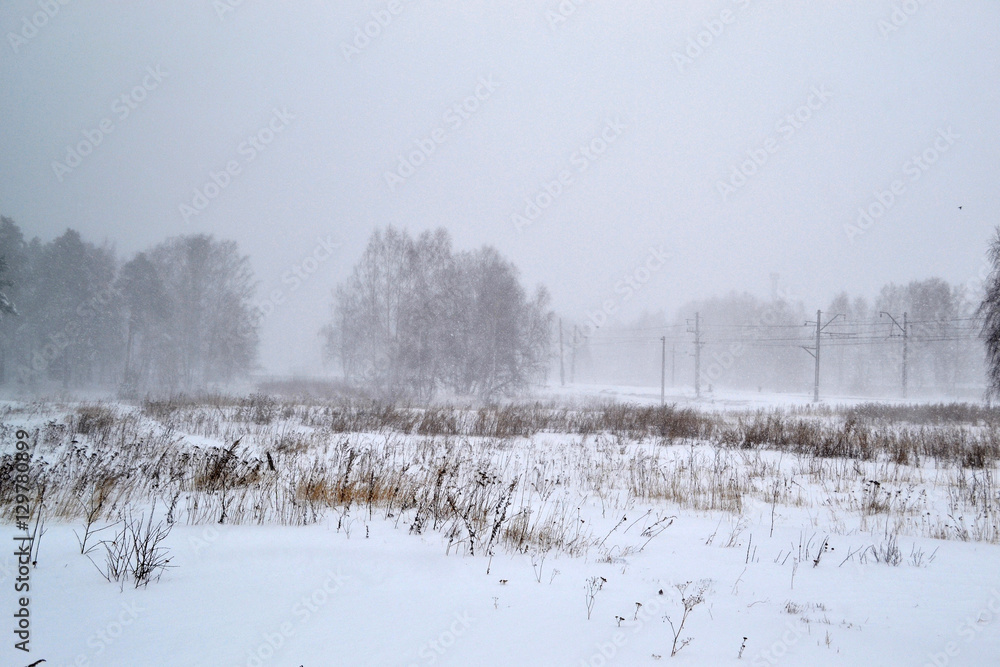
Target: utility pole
{"points": [[814, 351], [663, 369], [562, 367], [906, 349], [819, 330], [697, 354], [905, 328], [572, 358]]}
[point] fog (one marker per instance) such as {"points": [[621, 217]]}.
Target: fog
{"points": [[584, 141]]}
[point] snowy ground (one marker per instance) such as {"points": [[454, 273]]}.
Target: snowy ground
{"points": [[366, 591]]}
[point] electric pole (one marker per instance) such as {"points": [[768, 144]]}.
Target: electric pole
{"points": [[814, 351], [906, 346], [572, 358], [663, 369], [697, 354], [819, 330], [562, 367], [905, 328]]}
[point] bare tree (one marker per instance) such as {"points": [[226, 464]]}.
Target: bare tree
{"points": [[369, 309], [414, 319]]}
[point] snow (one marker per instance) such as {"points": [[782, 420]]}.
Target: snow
{"points": [[378, 595], [394, 599]]}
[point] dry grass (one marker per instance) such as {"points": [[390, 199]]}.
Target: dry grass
{"points": [[855, 434], [510, 476]]}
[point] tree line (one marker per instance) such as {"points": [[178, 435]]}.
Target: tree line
{"points": [[417, 319], [752, 342], [414, 319], [175, 317]]}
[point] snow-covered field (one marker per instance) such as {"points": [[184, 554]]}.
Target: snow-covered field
{"points": [[353, 539]]}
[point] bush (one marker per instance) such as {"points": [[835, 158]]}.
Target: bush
{"points": [[136, 553]]}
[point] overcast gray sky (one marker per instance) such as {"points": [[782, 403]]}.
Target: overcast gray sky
{"points": [[829, 102]]}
